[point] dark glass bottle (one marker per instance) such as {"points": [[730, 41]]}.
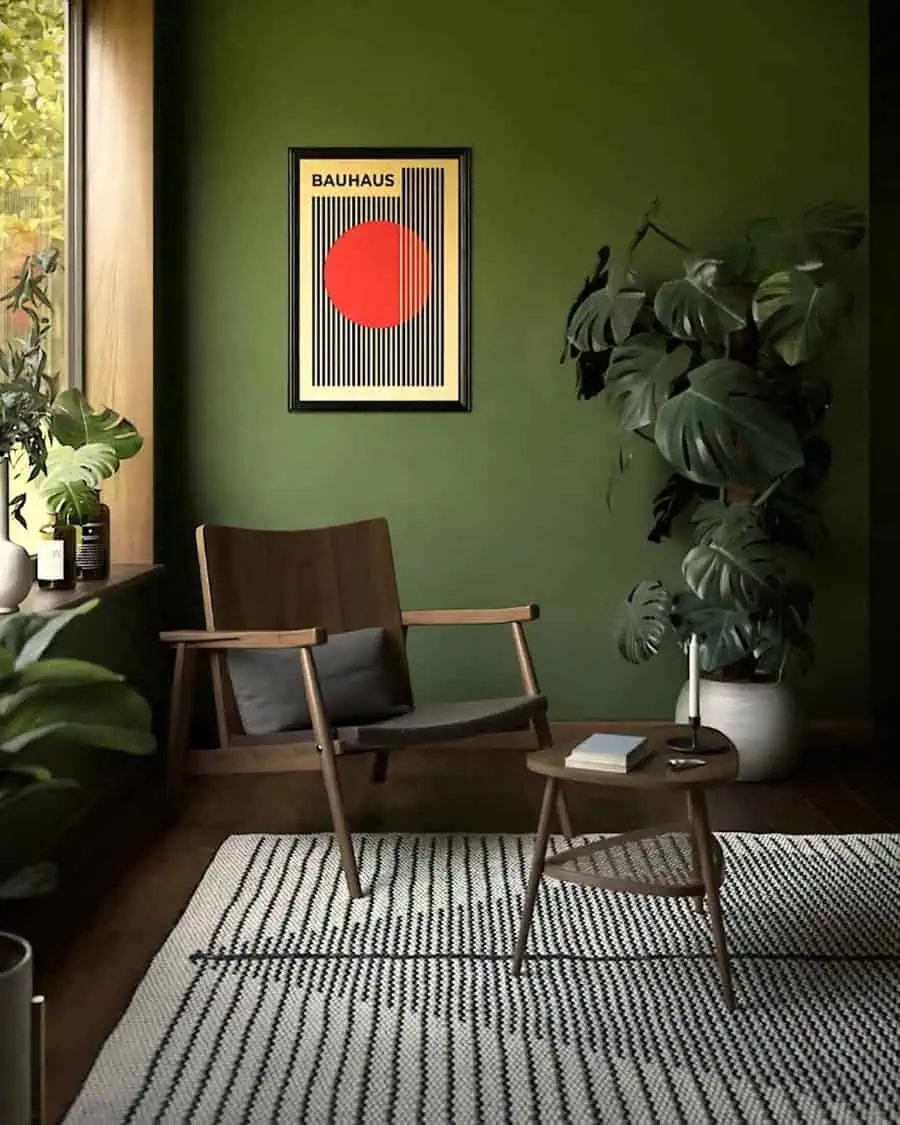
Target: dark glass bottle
{"points": [[92, 543], [56, 555]]}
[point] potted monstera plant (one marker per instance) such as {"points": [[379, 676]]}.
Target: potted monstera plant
{"points": [[46, 700], [714, 371]]}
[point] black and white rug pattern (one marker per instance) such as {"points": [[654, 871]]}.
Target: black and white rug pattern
{"points": [[278, 1000]]}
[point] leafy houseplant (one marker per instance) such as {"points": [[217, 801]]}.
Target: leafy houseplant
{"points": [[89, 447], [68, 444], [27, 390], [716, 370], [27, 387], [46, 700]]}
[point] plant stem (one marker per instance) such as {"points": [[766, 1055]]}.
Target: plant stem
{"points": [[764, 496], [641, 232], [669, 238]]}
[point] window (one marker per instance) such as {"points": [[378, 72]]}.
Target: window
{"points": [[40, 196]]}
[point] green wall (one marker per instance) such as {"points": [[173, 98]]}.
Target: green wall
{"points": [[578, 115]]}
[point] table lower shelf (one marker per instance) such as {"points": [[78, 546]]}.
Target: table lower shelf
{"points": [[654, 861]]}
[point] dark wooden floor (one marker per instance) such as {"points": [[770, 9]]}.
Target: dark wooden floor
{"points": [[89, 977]]}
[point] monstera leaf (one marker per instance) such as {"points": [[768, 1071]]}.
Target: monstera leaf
{"points": [[723, 429], [593, 282], [606, 316], [707, 304], [640, 375], [734, 563], [806, 243], [725, 632], [75, 423], [72, 473], [782, 642], [643, 621], [799, 317], [671, 500]]}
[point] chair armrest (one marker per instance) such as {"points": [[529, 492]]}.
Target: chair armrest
{"points": [[244, 638], [470, 616]]}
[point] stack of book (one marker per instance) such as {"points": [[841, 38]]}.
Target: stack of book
{"points": [[615, 753]]}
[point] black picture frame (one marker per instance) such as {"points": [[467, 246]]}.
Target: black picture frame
{"points": [[300, 385]]}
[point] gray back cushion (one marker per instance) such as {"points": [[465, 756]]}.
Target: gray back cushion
{"points": [[359, 675]]}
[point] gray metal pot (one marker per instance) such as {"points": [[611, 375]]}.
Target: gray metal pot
{"points": [[16, 984]]}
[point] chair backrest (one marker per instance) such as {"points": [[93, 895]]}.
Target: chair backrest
{"points": [[341, 578]]}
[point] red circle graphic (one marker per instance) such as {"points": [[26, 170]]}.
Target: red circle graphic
{"points": [[378, 274]]}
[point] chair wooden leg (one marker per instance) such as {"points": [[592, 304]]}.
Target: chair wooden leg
{"points": [[328, 762], [551, 790], [380, 766], [701, 833], [339, 820], [544, 737], [180, 707]]}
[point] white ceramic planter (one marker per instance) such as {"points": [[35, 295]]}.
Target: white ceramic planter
{"points": [[16, 970], [16, 567], [761, 719]]}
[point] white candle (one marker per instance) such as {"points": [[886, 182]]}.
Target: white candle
{"points": [[694, 678]]}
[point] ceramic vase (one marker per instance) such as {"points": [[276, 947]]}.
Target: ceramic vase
{"points": [[16, 972], [762, 719], [16, 567]]}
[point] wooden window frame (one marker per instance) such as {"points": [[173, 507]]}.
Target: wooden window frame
{"points": [[118, 244]]}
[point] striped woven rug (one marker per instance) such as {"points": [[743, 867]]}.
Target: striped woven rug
{"points": [[277, 1000]]}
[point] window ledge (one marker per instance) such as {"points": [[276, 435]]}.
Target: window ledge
{"points": [[121, 575]]}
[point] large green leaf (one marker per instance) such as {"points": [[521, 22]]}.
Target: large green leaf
{"points": [[724, 430], [110, 715], [782, 644], [38, 879], [640, 375], [17, 783], [72, 499], [27, 635], [606, 316], [677, 494], [62, 670], [73, 473], [725, 632], [91, 463], [643, 621], [733, 564], [707, 304], [74, 422], [799, 317], [806, 243]]}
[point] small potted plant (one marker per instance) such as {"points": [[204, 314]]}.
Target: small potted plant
{"points": [[27, 391], [46, 700], [70, 447], [712, 371]]}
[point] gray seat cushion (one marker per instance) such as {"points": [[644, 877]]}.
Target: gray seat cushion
{"points": [[440, 722], [359, 675]]}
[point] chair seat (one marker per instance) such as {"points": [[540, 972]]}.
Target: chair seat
{"points": [[441, 722]]}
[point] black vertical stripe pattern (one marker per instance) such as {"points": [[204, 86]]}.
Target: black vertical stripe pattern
{"points": [[350, 355], [277, 999]]}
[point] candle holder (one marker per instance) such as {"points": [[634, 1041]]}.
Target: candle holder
{"points": [[699, 741]]}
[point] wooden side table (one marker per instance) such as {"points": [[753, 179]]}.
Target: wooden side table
{"points": [[678, 860]]}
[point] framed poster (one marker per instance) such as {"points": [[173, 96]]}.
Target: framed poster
{"points": [[380, 298]]}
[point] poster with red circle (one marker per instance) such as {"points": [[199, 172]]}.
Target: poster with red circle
{"points": [[379, 280]]}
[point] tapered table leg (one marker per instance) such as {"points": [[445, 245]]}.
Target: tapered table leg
{"points": [[562, 813], [700, 824], [551, 789]]}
